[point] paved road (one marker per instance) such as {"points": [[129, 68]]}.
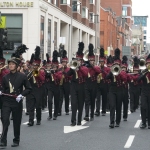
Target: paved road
{"points": [[97, 136]]}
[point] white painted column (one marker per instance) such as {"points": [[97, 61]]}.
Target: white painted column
{"points": [[75, 40], [52, 36]]}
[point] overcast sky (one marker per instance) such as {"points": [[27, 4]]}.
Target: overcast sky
{"points": [[142, 7]]}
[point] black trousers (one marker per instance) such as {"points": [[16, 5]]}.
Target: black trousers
{"points": [[27, 103], [53, 92], [125, 101], [44, 97], [90, 96], [77, 100], [115, 101], [101, 91], [134, 98], [32, 107], [17, 116], [145, 107], [64, 92]]}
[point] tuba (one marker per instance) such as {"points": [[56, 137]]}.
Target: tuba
{"points": [[85, 55], [142, 63], [74, 64], [115, 69]]}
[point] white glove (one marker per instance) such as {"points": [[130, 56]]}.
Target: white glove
{"points": [[19, 98], [0, 93]]}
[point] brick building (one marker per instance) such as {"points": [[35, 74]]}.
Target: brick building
{"points": [[118, 17]]}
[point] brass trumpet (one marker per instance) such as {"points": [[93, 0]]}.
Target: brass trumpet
{"points": [[115, 69]]}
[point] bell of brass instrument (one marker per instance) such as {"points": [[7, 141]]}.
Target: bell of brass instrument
{"points": [[148, 68], [85, 55], [2, 68], [142, 65], [115, 69], [74, 64]]}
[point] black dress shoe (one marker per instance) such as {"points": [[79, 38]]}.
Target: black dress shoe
{"points": [[2, 145], [125, 119], [38, 122], [86, 118], [143, 126], [117, 125], [54, 118], [111, 126], [103, 114], [73, 124], [15, 145], [59, 114], [79, 123], [67, 113], [97, 113], [31, 123], [49, 118], [132, 111], [27, 113]]}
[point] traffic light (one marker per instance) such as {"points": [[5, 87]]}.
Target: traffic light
{"points": [[3, 38]]}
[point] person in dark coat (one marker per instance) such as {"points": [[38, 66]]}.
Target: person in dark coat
{"points": [[12, 95]]}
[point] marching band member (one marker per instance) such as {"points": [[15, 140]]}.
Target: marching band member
{"points": [[115, 90], [102, 87], [53, 92], [48, 66], [36, 78], [13, 94], [64, 85], [109, 64], [134, 88], [79, 74], [145, 94], [91, 85], [3, 72], [125, 100]]}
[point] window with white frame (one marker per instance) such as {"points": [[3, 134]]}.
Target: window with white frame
{"points": [[76, 6], [65, 2], [91, 17], [124, 11], [92, 1], [84, 12]]}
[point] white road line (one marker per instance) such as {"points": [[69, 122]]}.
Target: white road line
{"points": [[129, 141], [137, 124]]}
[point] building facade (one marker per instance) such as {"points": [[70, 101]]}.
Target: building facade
{"points": [[122, 14], [50, 23], [142, 20]]}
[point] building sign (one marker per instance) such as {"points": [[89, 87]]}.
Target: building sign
{"points": [[3, 22], [140, 20], [16, 4]]}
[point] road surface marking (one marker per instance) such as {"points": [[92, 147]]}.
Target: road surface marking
{"points": [[137, 124], [129, 141]]}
